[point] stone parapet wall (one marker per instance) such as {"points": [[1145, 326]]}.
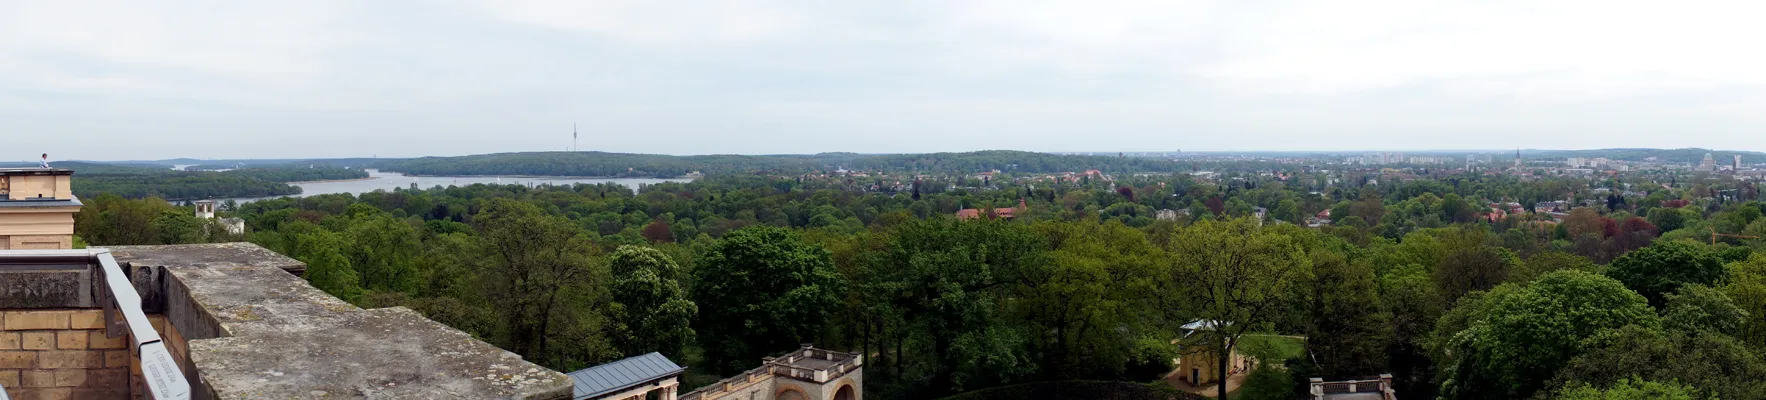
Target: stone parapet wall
{"points": [[62, 354], [243, 326], [239, 324], [756, 384]]}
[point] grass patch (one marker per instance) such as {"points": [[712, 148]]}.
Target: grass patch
{"points": [[1270, 349], [698, 374]]}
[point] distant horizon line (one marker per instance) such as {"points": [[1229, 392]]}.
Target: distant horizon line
{"points": [[1085, 152]]}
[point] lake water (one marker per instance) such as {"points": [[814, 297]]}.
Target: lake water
{"points": [[378, 180]]}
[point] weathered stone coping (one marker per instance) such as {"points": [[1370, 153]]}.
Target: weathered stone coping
{"points": [[236, 254], [257, 331]]}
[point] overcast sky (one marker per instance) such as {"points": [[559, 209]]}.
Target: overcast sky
{"points": [[141, 79]]}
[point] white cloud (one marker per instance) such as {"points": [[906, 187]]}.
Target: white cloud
{"points": [[499, 75], [1599, 47], [661, 23]]}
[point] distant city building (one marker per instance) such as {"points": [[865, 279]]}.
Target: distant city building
{"points": [[37, 208], [1708, 164], [1737, 165]]}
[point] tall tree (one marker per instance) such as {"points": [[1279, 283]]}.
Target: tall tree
{"points": [[180, 226], [1234, 273], [531, 261], [657, 231], [1746, 284], [950, 279], [1091, 306], [1712, 362], [1699, 308], [761, 290], [1509, 343], [327, 268], [1469, 263], [1630, 389], [1414, 302], [1349, 332], [1663, 267], [383, 249], [650, 308]]}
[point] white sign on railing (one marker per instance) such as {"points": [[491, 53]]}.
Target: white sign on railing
{"points": [[162, 374]]}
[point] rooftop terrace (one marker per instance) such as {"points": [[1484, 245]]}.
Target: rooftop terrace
{"points": [[237, 323], [811, 365]]}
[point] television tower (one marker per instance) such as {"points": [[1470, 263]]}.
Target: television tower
{"points": [[573, 136]]}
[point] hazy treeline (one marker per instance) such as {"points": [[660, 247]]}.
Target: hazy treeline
{"points": [[144, 181], [666, 166]]}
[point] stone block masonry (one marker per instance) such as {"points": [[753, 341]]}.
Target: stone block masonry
{"points": [[61, 354], [239, 323], [242, 325]]}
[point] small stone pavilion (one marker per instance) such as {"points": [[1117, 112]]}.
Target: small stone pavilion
{"points": [[1199, 362]]}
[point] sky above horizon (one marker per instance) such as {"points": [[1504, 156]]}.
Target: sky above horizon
{"points": [[117, 80]]}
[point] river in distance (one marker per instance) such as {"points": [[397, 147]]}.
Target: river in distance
{"points": [[380, 180]]}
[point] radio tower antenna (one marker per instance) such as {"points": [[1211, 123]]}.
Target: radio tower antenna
{"points": [[573, 136]]}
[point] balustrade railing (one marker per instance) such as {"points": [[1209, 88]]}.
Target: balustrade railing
{"points": [[122, 312], [1320, 389]]}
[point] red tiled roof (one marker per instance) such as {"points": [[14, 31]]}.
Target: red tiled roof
{"points": [[972, 213]]}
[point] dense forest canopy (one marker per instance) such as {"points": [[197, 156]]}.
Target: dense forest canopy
{"points": [[1091, 280], [1462, 284]]}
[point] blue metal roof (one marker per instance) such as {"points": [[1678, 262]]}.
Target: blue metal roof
{"points": [[623, 374]]}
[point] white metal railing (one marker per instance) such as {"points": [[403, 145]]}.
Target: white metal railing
{"points": [[122, 305]]}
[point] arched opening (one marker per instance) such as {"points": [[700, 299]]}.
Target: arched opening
{"points": [[789, 394], [845, 393]]}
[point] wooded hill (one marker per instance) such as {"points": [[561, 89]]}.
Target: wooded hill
{"points": [[600, 164], [131, 181]]}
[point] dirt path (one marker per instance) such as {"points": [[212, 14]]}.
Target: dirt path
{"points": [[1233, 383]]}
